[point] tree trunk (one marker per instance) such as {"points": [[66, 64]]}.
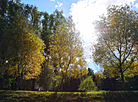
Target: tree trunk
{"points": [[33, 85], [15, 82], [21, 80], [62, 85], [18, 78], [19, 87], [122, 78]]}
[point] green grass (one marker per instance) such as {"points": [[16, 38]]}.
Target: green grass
{"points": [[94, 96]]}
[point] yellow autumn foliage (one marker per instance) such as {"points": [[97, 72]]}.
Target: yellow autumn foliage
{"points": [[22, 49], [66, 52]]}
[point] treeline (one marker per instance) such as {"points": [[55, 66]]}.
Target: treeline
{"points": [[37, 48], [41, 50]]}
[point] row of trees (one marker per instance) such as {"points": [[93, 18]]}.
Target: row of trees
{"points": [[38, 47], [44, 49]]}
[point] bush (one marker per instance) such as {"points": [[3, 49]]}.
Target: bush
{"points": [[87, 84]]}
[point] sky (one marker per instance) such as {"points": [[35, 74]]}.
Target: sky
{"points": [[83, 13]]}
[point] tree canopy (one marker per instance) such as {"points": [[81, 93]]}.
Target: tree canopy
{"points": [[116, 49], [66, 52], [36, 44], [21, 53]]}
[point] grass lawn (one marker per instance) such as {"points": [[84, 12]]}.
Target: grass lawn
{"points": [[95, 96]]}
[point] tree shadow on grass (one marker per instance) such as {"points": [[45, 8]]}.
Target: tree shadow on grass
{"points": [[120, 96]]}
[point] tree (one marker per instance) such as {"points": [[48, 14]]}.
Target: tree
{"points": [[88, 84], [35, 19], [22, 50], [45, 79], [133, 71], [66, 52], [49, 25], [3, 8], [116, 49], [71, 84]]}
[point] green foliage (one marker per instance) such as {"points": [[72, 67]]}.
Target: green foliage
{"points": [[87, 84], [45, 78], [6, 81], [49, 26], [56, 82], [71, 84], [132, 83]]}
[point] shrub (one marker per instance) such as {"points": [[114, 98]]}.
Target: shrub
{"points": [[87, 84]]}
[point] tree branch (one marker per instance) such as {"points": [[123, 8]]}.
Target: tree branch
{"points": [[129, 65], [113, 53], [127, 55]]}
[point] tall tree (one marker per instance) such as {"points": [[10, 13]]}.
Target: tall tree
{"points": [[49, 25], [66, 52], [21, 50], [45, 79], [35, 19], [3, 9], [116, 49]]}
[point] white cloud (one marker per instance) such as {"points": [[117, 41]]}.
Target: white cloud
{"points": [[87, 52], [56, 6], [52, 0], [59, 4], [84, 12], [136, 5]]}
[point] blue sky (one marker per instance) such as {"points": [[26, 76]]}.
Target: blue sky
{"points": [[50, 5], [83, 12]]}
